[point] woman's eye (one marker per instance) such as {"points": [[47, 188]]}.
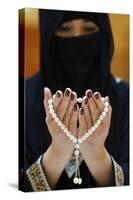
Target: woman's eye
{"points": [[90, 29], [64, 28]]}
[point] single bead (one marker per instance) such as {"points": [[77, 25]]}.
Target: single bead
{"points": [[101, 117], [75, 180], [50, 107], [79, 140], [103, 99], [74, 140], [54, 115], [63, 127], [84, 138], [79, 181], [106, 109], [71, 137], [76, 152], [90, 132], [77, 146], [93, 128], [106, 104], [79, 100], [57, 120], [51, 112], [50, 101], [65, 130], [103, 114], [98, 121], [68, 134], [87, 134], [96, 125], [59, 123]]}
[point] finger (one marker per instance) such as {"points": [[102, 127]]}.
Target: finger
{"points": [[98, 100], [87, 112], [82, 123], [88, 93], [47, 96], [73, 120], [93, 108], [64, 103], [57, 99], [72, 102]]}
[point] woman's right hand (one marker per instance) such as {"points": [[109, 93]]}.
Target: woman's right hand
{"points": [[61, 148]]}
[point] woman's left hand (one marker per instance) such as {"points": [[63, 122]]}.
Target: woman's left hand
{"points": [[93, 149]]}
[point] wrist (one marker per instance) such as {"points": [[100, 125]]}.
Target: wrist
{"points": [[53, 166], [99, 158], [53, 157], [101, 168]]}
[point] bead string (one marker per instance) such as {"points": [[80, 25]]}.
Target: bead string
{"points": [[77, 179]]}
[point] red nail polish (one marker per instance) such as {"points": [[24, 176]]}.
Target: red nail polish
{"points": [[97, 95], [75, 107], [86, 100], [58, 94], [72, 96], [89, 94], [67, 92]]}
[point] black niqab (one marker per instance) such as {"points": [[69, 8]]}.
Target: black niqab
{"points": [[77, 58], [59, 75]]}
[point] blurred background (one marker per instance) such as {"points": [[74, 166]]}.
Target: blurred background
{"points": [[29, 42]]}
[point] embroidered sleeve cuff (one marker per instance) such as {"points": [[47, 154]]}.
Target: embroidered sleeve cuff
{"points": [[118, 173], [37, 177]]}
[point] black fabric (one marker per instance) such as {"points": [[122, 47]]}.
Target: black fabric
{"points": [[100, 79], [77, 59], [53, 75]]}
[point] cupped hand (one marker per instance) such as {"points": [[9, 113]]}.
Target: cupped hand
{"points": [[92, 106], [67, 111]]}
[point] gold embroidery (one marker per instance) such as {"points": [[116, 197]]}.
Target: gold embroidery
{"points": [[119, 176], [37, 177]]}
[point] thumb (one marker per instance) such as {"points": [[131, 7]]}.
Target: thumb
{"points": [[47, 96]]}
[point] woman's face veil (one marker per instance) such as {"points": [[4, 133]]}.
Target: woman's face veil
{"points": [[79, 62]]}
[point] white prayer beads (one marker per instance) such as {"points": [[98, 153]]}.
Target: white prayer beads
{"points": [[77, 142]]}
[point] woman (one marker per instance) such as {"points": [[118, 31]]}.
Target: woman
{"points": [[76, 53]]}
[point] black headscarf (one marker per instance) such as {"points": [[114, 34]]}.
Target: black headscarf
{"points": [[99, 80], [78, 62]]}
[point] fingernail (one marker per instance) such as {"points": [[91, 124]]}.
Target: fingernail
{"points": [[89, 94], [86, 100], [58, 94], [82, 111], [72, 96], [45, 89], [67, 92], [97, 95], [75, 107]]}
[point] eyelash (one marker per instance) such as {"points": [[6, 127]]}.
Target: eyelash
{"points": [[90, 28], [86, 28], [64, 28]]}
